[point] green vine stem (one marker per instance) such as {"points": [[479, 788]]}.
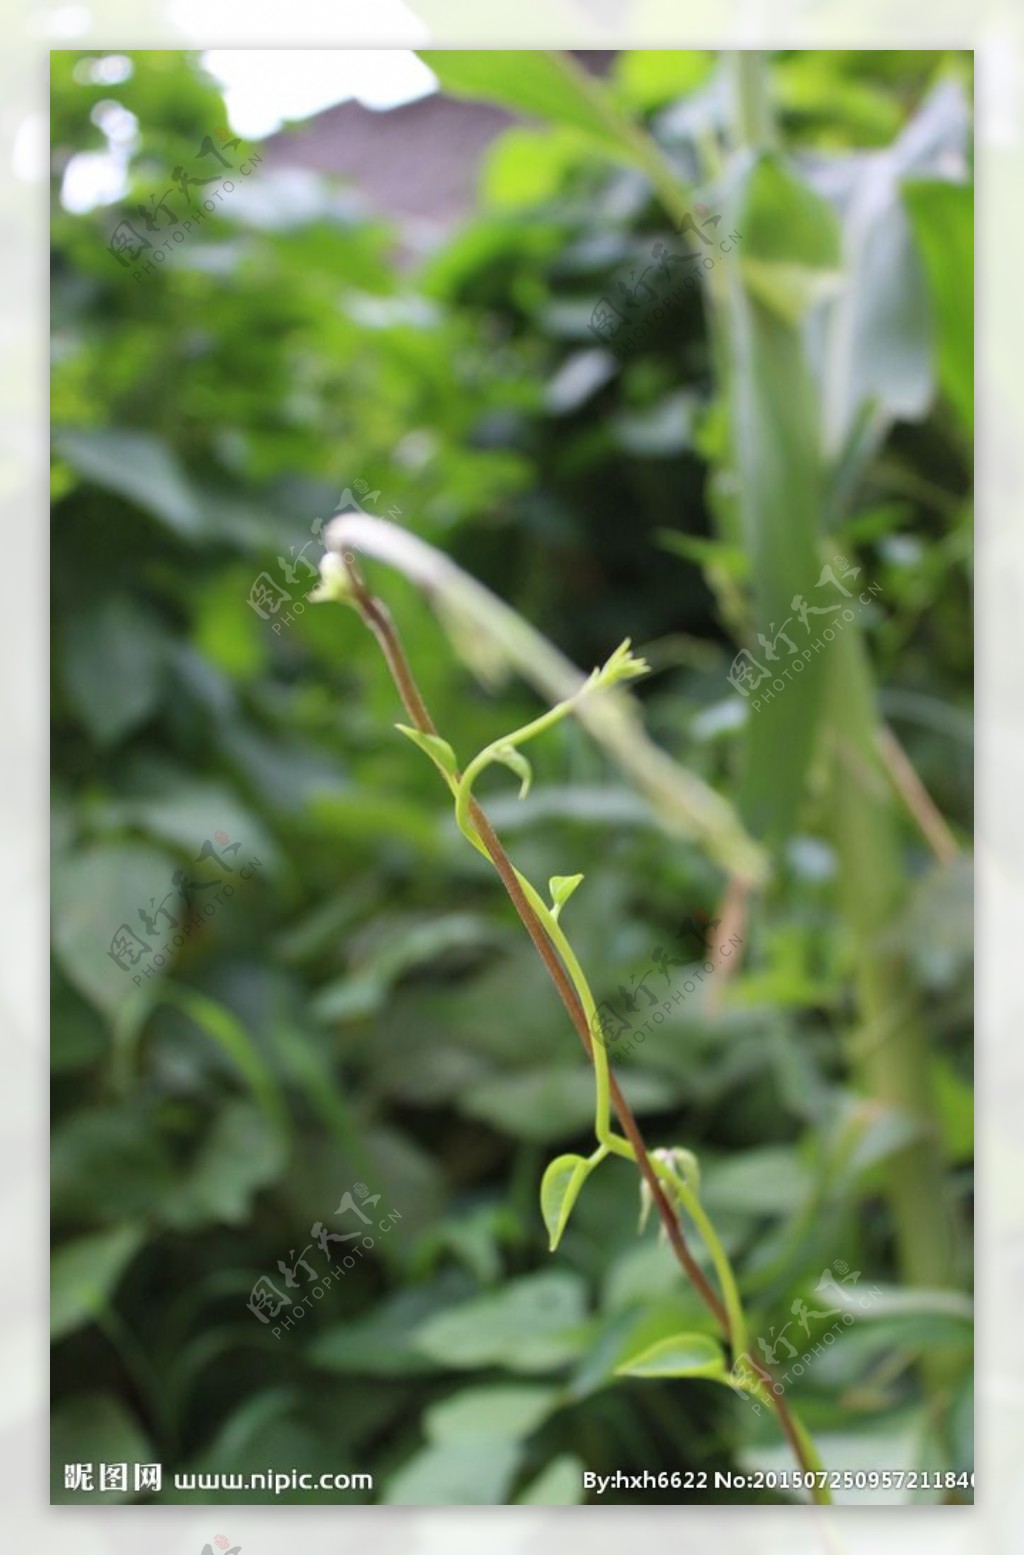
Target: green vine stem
{"points": [[668, 1188]]}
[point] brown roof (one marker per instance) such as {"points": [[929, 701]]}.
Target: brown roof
{"points": [[417, 164]]}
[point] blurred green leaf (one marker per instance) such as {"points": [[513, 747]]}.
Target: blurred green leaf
{"points": [[501, 1413], [136, 465], [96, 892], [114, 662], [535, 1323], [241, 1155], [547, 1103], [459, 1473], [942, 216], [790, 236], [769, 1181], [84, 1275], [543, 85], [560, 1483]]}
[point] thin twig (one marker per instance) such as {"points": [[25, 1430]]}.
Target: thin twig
{"points": [[732, 920], [916, 797]]}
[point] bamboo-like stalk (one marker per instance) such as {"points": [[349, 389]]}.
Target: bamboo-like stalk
{"points": [[889, 1052]]}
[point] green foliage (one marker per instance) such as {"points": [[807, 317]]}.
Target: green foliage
{"points": [[362, 1008], [684, 1355]]}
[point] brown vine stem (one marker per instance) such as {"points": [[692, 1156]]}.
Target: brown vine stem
{"points": [[377, 617]]}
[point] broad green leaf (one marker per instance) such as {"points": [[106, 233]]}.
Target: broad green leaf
{"points": [[650, 78], [892, 1301], [109, 1165], [78, 1036], [561, 888], [113, 664], [502, 1413], [535, 1323], [547, 1102], [878, 341], [524, 167], [84, 1275], [641, 1276], [460, 1473], [880, 1133], [560, 1483], [185, 812], [783, 221], [790, 290], [363, 817], [514, 759], [771, 1180], [382, 1343], [439, 751], [410, 945], [942, 217], [777, 477], [241, 1155], [98, 893], [684, 1355], [138, 466], [559, 1190]]}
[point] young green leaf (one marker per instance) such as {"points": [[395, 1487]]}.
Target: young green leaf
{"points": [[684, 1355], [623, 665], [439, 751], [684, 1163], [335, 583], [559, 1190], [517, 763], [561, 888]]}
